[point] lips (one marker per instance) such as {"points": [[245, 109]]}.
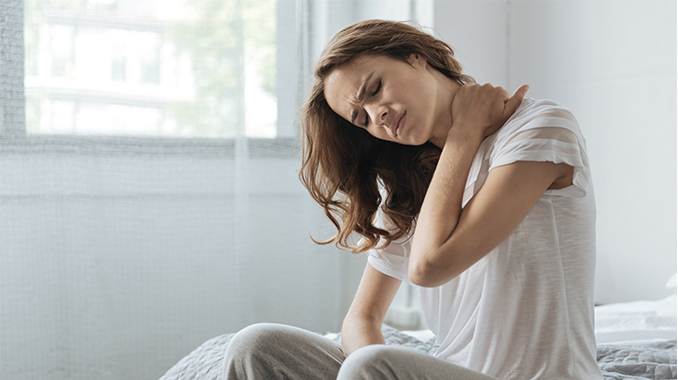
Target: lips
{"points": [[398, 125]]}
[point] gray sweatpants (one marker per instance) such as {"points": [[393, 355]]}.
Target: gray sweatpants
{"points": [[271, 351]]}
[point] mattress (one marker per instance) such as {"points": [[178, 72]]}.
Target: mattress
{"points": [[636, 340]]}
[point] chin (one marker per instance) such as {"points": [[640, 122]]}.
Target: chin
{"points": [[417, 136], [415, 140]]}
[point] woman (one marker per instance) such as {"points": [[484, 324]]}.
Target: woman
{"points": [[487, 206]]}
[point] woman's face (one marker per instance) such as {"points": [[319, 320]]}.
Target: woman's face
{"points": [[393, 100]]}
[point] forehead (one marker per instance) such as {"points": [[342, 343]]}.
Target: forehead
{"points": [[347, 78], [343, 83]]}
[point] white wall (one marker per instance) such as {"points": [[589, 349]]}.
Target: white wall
{"points": [[613, 63]]}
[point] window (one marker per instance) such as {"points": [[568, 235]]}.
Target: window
{"points": [[171, 68]]}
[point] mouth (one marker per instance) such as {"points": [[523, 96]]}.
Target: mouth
{"points": [[397, 127]]}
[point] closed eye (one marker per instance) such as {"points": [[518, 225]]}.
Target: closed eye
{"points": [[376, 90], [374, 93]]}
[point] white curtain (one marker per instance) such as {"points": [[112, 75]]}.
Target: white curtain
{"points": [[149, 198]]}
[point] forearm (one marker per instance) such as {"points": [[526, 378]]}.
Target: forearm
{"points": [[430, 260], [357, 332], [435, 257]]}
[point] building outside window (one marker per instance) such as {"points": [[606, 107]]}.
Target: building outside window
{"points": [[172, 68]]}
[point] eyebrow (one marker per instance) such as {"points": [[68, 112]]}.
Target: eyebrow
{"points": [[361, 95]]}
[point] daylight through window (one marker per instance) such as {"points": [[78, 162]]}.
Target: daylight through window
{"points": [[191, 68]]}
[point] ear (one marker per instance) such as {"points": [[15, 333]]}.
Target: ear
{"points": [[416, 59]]}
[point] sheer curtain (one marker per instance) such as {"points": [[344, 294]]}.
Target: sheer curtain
{"points": [[149, 198]]}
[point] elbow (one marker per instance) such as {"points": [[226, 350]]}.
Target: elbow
{"points": [[418, 276], [433, 270], [424, 264], [427, 274]]}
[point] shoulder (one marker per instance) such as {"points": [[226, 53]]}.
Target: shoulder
{"points": [[543, 131], [538, 121], [539, 113], [545, 107]]}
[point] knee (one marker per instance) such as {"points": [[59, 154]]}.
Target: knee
{"points": [[369, 362], [256, 338], [250, 350]]}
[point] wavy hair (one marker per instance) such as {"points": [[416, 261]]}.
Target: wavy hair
{"points": [[343, 165]]}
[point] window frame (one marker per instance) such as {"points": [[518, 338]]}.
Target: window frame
{"points": [[303, 26], [14, 136]]}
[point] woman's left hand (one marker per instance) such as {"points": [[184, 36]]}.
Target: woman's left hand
{"points": [[480, 110]]}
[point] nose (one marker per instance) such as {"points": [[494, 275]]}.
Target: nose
{"points": [[378, 112]]}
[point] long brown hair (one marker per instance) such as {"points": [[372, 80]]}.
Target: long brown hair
{"points": [[342, 165]]}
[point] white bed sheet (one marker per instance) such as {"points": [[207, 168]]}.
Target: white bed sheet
{"points": [[622, 323]]}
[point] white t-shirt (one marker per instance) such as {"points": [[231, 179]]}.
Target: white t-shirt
{"points": [[525, 310]]}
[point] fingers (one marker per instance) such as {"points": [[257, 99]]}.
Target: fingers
{"points": [[484, 106], [512, 103]]}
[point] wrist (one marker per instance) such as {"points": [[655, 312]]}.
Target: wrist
{"points": [[465, 134]]}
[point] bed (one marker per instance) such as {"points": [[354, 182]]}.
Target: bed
{"points": [[636, 340]]}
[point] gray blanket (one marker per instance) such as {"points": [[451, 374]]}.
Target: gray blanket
{"points": [[656, 360]]}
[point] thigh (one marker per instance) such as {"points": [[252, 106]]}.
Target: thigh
{"points": [[392, 363], [272, 351]]}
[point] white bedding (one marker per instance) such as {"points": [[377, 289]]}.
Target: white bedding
{"points": [[636, 321], [636, 340]]}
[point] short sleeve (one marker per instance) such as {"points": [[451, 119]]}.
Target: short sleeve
{"points": [[392, 260], [549, 136]]}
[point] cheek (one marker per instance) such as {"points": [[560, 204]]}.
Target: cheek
{"points": [[416, 95]]}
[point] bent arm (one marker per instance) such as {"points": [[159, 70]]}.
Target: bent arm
{"points": [[450, 239], [362, 325]]}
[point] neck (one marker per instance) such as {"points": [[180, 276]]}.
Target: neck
{"points": [[446, 91]]}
